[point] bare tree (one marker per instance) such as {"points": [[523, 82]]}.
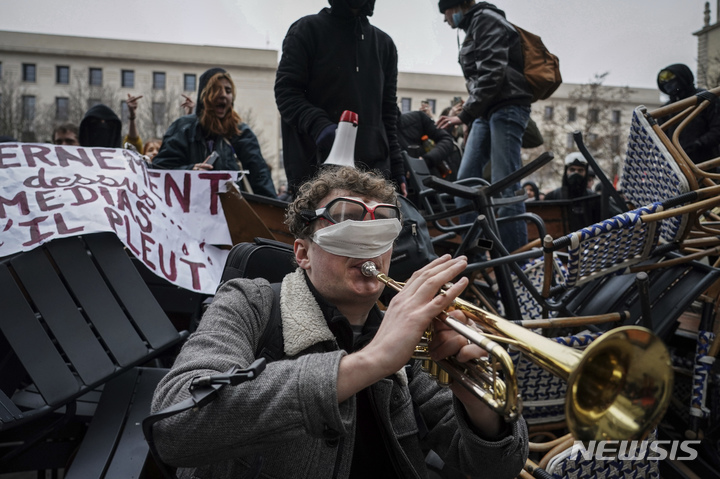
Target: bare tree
{"points": [[18, 110], [596, 111], [248, 116], [10, 106], [157, 110]]}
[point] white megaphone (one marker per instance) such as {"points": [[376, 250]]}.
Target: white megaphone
{"points": [[343, 149]]}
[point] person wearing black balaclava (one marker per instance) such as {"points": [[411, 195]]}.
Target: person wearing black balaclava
{"points": [[574, 181], [334, 61], [574, 186], [701, 137], [100, 127], [215, 128]]}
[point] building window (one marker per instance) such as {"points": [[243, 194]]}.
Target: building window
{"points": [[431, 104], [124, 111], [549, 137], [593, 115], [158, 80], [127, 78], [62, 75], [189, 82], [28, 111], [406, 105], [570, 142], [615, 144], [62, 108], [572, 114], [28, 71], [158, 112], [95, 77], [93, 101], [0, 70], [616, 117], [592, 138], [549, 112]]}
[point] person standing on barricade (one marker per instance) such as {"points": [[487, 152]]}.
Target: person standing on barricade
{"points": [[498, 106]]}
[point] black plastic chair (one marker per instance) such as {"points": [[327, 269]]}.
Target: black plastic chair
{"points": [[77, 319]]}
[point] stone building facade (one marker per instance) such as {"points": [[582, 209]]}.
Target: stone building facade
{"points": [[55, 78]]}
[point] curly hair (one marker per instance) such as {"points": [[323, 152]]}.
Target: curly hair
{"points": [[370, 184], [226, 126]]}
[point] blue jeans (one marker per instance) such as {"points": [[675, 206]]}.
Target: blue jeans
{"points": [[498, 140]]}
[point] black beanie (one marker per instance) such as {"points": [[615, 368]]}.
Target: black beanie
{"points": [[445, 4]]}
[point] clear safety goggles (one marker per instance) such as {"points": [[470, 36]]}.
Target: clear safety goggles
{"points": [[343, 209]]}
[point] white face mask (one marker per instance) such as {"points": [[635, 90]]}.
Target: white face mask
{"points": [[358, 239]]}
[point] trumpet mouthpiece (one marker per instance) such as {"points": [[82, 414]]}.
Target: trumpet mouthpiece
{"points": [[368, 268]]}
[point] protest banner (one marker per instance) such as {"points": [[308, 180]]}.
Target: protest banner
{"points": [[171, 220]]}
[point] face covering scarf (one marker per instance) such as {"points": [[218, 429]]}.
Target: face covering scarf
{"points": [[576, 184], [457, 18], [358, 239]]}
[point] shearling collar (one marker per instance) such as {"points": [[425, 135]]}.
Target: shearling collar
{"points": [[303, 323]]}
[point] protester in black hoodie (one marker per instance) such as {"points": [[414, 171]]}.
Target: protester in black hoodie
{"points": [[101, 127], [701, 137], [335, 61], [215, 127]]}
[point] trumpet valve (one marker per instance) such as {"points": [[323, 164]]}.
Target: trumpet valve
{"points": [[443, 378], [434, 370]]}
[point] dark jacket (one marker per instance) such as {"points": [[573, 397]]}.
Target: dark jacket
{"points": [[334, 61], [411, 128], [492, 63], [100, 127], [184, 144], [701, 137]]}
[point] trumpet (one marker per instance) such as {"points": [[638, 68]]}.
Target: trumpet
{"points": [[618, 388]]}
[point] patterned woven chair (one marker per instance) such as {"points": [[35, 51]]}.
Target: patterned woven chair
{"points": [[608, 247], [656, 169], [650, 173], [531, 304]]}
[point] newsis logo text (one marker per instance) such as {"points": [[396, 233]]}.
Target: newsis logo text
{"points": [[635, 450]]}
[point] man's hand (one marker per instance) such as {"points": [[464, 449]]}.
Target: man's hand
{"points": [[326, 138], [445, 122], [132, 104], [446, 342], [406, 319]]}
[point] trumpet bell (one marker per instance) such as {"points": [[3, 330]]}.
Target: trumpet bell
{"points": [[621, 386]]}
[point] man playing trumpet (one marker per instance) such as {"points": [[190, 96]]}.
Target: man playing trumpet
{"points": [[341, 402]]}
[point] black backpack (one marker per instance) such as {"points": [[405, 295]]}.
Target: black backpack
{"points": [[413, 248], [271, 260]]}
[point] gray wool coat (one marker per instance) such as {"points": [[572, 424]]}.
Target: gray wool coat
{"points": [[287, 423]]}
